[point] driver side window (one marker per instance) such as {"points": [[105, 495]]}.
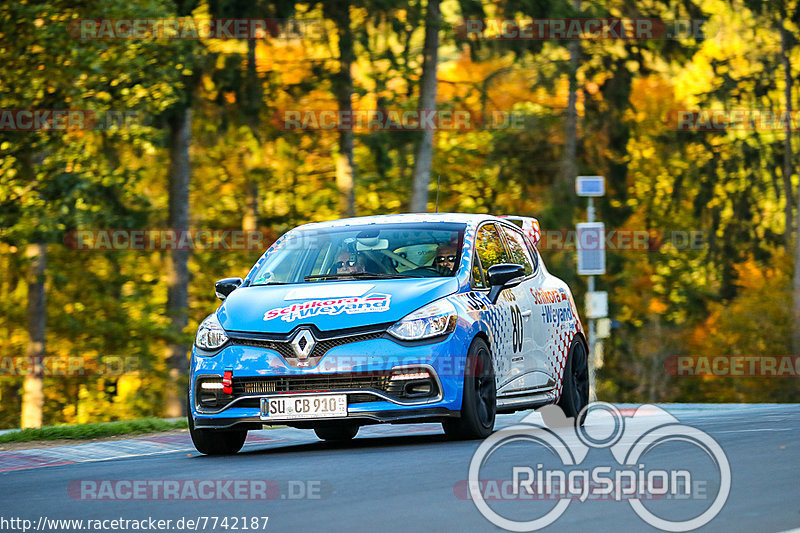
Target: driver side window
{"points": [[518, 249], [490, 250]]}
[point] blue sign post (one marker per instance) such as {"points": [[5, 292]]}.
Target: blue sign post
{"points": [[591, 257]]}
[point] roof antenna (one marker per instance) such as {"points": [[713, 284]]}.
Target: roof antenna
{"points": [[438, 179]]}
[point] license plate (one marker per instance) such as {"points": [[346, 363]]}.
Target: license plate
{"points": [[292, 407]]}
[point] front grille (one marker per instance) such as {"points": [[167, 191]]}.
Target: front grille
{"points": [[258, 387], [361, 398], [307, 383], [282, 348]]}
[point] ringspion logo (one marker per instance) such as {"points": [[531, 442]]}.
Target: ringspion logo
{"points": [[639, 477]]}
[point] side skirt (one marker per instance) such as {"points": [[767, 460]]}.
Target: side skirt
{"points": [[510, 404]]}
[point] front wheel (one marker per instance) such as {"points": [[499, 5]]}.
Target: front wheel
{"points": [[575, 385], [479, 401]]}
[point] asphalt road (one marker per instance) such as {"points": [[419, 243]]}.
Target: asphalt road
{"points": [[408, 478]]}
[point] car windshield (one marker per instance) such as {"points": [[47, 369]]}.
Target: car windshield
{"points": [[372, 251]]}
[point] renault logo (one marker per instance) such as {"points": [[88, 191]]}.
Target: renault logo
{"points": [[303, 343]]}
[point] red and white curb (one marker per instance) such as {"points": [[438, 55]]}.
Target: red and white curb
{"points": [[161, 444], [105, 451]]}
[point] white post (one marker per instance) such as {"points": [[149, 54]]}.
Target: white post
{"points": [[592, 336]]}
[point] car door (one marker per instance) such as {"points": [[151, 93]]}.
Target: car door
{"points": [[554, 319], [532, 372], [504, 318]]}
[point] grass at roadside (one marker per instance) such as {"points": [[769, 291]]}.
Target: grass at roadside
{"points": [[91, 431]]}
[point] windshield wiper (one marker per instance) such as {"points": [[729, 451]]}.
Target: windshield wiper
{"points": [[268, 283], [353, 275]]}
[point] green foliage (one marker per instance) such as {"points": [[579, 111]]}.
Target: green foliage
{"points": [[93, 431]]}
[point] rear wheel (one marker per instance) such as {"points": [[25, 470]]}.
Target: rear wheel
{"points": [[479, 401], [575, 386], [216, 441], [336, 432]]}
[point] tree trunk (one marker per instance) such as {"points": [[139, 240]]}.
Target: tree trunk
{"points": [[569, 162], [33, 389], [788, 169], [253, 105], [177, 267], [569, 168], [346, 173], [423, 158], [796, 295], [787, 185]]}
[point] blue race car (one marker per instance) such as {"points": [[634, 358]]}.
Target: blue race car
{"points": [[447, 318]]}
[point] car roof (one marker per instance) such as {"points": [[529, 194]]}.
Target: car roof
{"points": [[470, 219]]}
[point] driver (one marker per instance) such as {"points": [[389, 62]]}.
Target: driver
{"points": [[348, 263], [445, 260]]}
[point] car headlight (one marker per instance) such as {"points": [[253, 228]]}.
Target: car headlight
{"points": [[436, 318], [210, 334]]}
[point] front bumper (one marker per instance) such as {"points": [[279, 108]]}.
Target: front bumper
{"points": [[258, 372], [405, 416]]}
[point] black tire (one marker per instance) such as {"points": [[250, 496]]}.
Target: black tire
{"points": [[575, 385], [336, 432], [479, 402], [216, 441]]}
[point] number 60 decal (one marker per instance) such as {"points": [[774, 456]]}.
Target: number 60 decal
{"points": [[516, 329]]}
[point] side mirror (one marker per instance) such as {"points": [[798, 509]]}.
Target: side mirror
{"points": [[504, 276], [224, 287]]}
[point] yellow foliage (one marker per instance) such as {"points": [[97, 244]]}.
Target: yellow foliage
{"points": [[657, 306]]}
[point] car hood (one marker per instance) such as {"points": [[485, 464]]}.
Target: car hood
{"points": [[328, 305]]}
